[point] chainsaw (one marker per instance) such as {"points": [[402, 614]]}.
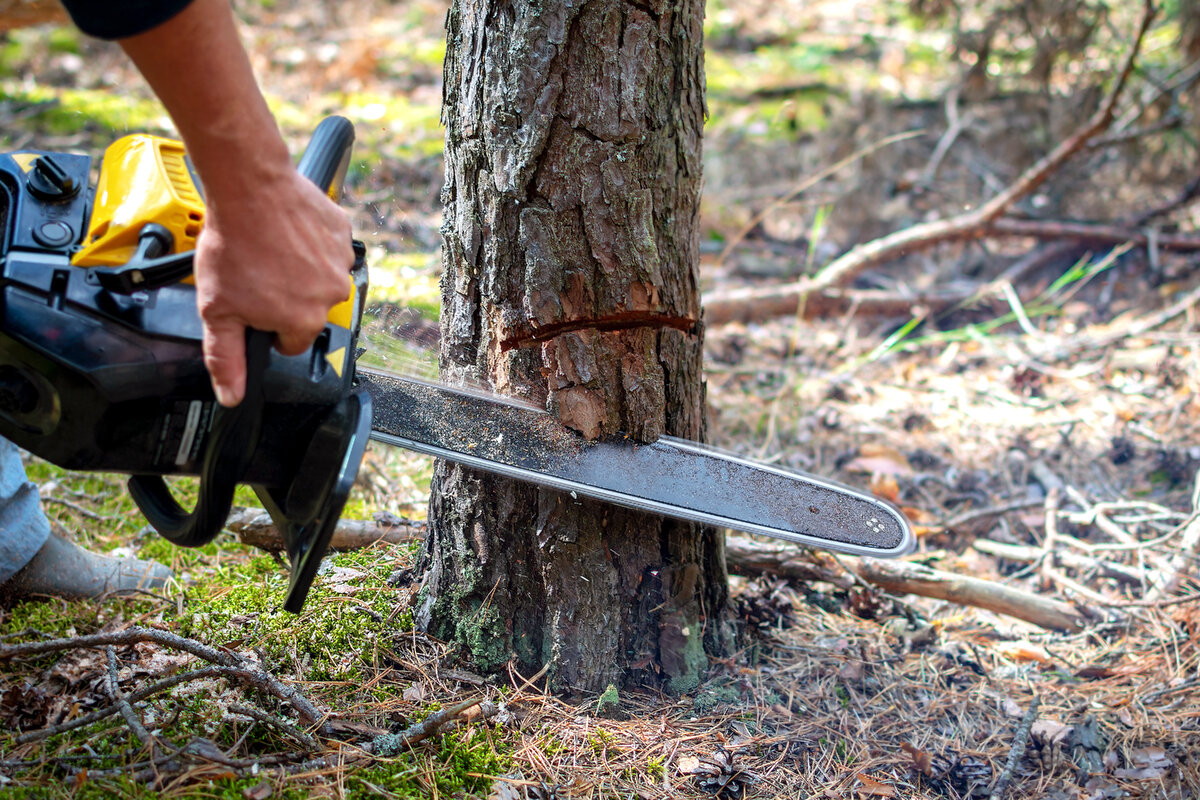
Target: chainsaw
{"points": [[101, 369]]}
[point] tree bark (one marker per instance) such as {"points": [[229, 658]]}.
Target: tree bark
{"points": [[570, 279]]}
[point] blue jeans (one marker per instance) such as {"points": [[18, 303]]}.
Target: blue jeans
{"points": [[23, 526]]}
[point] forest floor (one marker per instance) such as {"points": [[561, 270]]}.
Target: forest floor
{"points": [[1029, 401]]}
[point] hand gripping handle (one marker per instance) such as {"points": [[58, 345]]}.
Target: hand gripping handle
{"points": [[234, 435]]}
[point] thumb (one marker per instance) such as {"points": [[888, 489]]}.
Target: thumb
{"points": [[225, 358]]}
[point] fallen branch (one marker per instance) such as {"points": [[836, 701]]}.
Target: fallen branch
{"points": [[746, 557], [234, 665], [902, 577], [1091, 233], [985, 221], [391, 744], [254, 527], [1171, 576], [1027, 554], [763, 302], [124, 706], [973, 224]]}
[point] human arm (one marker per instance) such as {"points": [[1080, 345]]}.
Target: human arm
{"points": [[275, 252]]}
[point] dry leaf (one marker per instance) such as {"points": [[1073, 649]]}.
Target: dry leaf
{"points": [[875, 459], [875, 788], [922, 759], [507, 790], [1150, 757], [1024, 651], [1141, 774], [918, 515], [260, 791], [886, 487]]}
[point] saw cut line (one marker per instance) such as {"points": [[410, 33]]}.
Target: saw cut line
{"points": [[627, 321]]}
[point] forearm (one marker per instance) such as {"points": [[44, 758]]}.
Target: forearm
{"points": [[197, 66]]}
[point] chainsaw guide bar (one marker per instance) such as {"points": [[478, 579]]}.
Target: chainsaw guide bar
{"points": [[672, 477]]}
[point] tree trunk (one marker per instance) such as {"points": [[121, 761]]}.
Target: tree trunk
{"points": [[570, 280]]}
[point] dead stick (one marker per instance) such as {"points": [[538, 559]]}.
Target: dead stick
{"points": [[901, 577], [974, 514], [1172, 575], [234, 664], [254, 527], [1028, 554], [123, 704], [1049, 558], [973, 224], [1020, 742], [1089, 232], [391, 744], [133, 697], [763, 302], [746, 557], [749, 304]]}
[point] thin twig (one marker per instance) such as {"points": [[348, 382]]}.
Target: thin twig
{"points": [[1172, 574], [972, 515], [123, 705], [236, 665], [810, 182], [391, 744], [973, 224], [307, 742]]}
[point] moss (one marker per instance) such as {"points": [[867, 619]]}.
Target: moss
{"points": [[485, 635], [716, 695], [53, 618], [70, 111], [459, 767], [602, 742], [695, 661], [349, 608], [609, 699]]}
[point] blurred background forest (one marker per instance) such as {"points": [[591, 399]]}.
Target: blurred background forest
{"points": [[1023, 383]]}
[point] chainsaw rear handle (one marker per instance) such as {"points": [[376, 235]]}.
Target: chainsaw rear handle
{"points": [[235, 431]]}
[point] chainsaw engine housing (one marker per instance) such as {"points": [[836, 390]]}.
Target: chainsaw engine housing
{"points": [[93, 378]]}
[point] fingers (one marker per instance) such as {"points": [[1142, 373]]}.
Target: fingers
{"points": [[225, 358]]}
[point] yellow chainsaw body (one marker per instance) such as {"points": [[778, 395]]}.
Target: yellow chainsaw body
{"points": [[147, 179]]}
